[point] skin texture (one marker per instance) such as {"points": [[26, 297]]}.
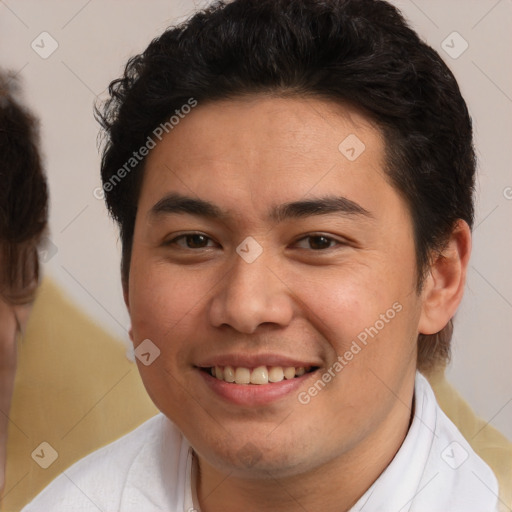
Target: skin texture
{"points": [[196, 299], [10, 316]]}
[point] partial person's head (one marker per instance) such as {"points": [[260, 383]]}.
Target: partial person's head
{"points": [[23, 221], [23, 197], [293, 181]]}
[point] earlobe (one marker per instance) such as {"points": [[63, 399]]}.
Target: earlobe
{"points": [[444, 285]]}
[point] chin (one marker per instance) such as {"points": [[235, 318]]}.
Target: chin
{"points": [[256, 459]]}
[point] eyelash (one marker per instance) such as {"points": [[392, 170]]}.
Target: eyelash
{"points": [[330, 239]]}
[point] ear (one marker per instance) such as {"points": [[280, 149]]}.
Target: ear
{"points": [[126, 296], [444, 286]]}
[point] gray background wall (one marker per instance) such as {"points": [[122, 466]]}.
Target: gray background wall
{"points": [[96, 37]]}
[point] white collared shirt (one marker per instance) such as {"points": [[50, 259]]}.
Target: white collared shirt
{"points": [[150, 470]]}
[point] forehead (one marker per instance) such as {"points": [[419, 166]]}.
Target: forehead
{"points": [[255, 150]]}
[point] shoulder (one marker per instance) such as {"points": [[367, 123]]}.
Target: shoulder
{"points": [[97, 481], [454, 472]]}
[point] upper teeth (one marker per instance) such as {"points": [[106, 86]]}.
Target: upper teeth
{"points": [[259, 375]]}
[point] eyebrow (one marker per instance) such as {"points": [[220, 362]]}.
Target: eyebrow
{"points": [[175, 203], [320, 206]]}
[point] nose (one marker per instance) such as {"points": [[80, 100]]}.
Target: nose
{"points": [[249, 296]]}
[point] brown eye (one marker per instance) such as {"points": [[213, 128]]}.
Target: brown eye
{"points": [[192, 241], [316, 242], [319, 242], [196, 241]]}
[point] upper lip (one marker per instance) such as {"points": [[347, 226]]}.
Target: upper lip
{"points": [[253, 361]]}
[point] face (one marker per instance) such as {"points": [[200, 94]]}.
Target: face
{"points": [[264, 249]]}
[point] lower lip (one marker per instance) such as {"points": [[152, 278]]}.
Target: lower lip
{"points": [[254, 394]]}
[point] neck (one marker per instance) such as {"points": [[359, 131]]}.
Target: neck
{"points": [[334, 487]]}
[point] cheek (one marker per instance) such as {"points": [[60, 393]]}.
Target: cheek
{"points": [[367, 313], [345, 300], [164, 302], [163, 309]]}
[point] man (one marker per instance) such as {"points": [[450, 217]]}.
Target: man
{"points": [[293, 183], [23, 221]]}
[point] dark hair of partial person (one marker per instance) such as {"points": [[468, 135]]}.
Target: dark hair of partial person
{"points": [[360, 53], [23, 197]]}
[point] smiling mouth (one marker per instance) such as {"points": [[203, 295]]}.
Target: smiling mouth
{"points": [[260, 375]]}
